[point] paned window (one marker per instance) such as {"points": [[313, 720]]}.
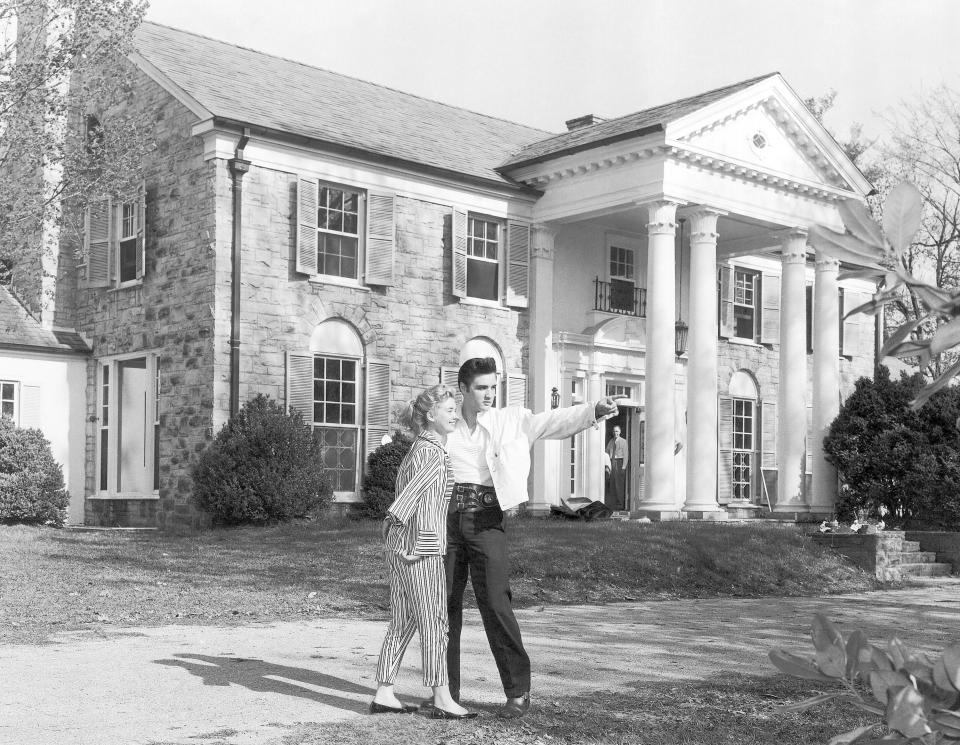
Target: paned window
{"points": [[622, 282], [744, 455], [104, 425], [338, 227], [745, 304], [335, 416], [483, 258], [8, 400], [127, 248]]}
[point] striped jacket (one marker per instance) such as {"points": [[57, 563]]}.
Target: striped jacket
{"points": [[419, 512]]}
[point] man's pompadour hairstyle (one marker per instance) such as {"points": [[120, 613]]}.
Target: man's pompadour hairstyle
{"points": [[473, 367]]}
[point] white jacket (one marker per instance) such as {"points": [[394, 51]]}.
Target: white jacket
{"points": [[511, 433]]}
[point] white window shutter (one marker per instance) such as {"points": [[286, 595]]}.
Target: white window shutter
{"points": [[141, 217], [459, 244], [516, 389], [448, 377], [299, 384], [30, 400], [518, 264], [725, 451], [850, 343], [770, 309], [768, 434], [381, 236], [726, 302], [308, 194], [376, 403], [98, 237]]}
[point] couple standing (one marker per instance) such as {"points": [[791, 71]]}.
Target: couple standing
{"points": [[464, 470]]}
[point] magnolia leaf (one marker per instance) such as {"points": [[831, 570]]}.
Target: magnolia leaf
{"points": [[899, 336], [905, 713], [898, 652], [871, 275], [947, 722], [911, 348], [874, 305], [880, 659], [852, 736], [832, 661], [807, 703], [881, 682], [860, 222], [951, 664], [925, 394], [902, 213], [862, 704], [825, 634], [844, 247], [940, 676], [858, 654], [796, 666], [934, 298], [946, 336]]}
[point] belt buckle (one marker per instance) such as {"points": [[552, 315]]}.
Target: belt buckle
{"points": [[487, 498]]}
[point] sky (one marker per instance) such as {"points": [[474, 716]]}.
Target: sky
{"points": [[541, 62]]}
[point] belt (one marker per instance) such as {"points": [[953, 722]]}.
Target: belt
{"points": [[473, 498]]}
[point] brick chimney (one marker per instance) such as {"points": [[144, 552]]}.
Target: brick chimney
{"points": [[587, 120]]}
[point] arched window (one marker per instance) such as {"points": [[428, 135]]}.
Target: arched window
{"points": [[337, 400], [480, 346]]}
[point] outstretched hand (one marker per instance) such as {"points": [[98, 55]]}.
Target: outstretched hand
{"points": [[607, 407]]}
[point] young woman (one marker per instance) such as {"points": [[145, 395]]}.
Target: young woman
{"points": [[416, 540]]}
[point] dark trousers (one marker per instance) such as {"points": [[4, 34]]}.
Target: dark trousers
{"points": [[477, 545]]}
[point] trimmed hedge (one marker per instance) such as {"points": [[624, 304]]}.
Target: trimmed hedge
{"points": [[905, 461], [31, 481], [264, 466], [381, 476]]}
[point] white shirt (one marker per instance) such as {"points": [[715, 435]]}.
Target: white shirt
{"points": [[467, 452]]}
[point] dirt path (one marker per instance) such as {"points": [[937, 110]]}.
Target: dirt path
{"points": [[247, 686]]}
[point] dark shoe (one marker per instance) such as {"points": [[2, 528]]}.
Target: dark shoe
{"points": [[376, 708], [435, 712], [514, 710]]}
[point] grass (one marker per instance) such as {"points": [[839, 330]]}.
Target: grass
{"points": [[63, 579], [725, 708]]}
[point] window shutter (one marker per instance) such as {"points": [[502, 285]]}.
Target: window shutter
{"points": [[459, 243], [448, 377], [518, 264], [850, 340], [141, 217], [768, 434], [377, 403], [381, 236], [725, 451], [308, 194], [516, 389], [770, 309], [30, 416], [726, 302], [98, 237], [300, 384]]}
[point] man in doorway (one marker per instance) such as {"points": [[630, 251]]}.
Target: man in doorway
{"points": [[490, 455], [617, 450]]}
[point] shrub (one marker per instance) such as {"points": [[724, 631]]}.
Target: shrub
{"points": [[907, 462], [263, 466], [381, 476], [31, 481]]}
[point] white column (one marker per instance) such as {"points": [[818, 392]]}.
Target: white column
{"points": [[702, 366], [547, 455], [792, 398], [659, 494], [826, 379], [594, 474]]}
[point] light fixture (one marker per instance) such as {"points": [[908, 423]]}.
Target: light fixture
{"points": [[554, 398], [680, 328]]}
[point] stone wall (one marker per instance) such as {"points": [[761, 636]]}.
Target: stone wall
{"points": [[878, 553], [945, 544]]}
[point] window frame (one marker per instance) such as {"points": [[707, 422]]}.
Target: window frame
{"points": [[499, 262], [752, 451], [359, 427], [130, 239], [360, 236], [15, 400], [755, 291]]}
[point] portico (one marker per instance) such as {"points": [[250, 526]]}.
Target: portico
{"points": [[748, 170]]}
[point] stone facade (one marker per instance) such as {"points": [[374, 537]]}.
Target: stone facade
{"points": [[878, 553]]}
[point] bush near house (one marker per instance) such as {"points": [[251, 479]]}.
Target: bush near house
{"points": [[31, 481], [890, 456], [264, 466], [381, 477]]}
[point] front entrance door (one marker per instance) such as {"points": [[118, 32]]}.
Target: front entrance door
{"points": [[629, 423], [134, 472]]}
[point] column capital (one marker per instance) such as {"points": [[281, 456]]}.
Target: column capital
{"points": [[703, 224], [542, 238], [662, 216], [825, 263], [794, 246]]}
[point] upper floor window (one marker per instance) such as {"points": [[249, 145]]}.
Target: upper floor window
{"points": [[622, 279], [483, 258], [114, 240], [127, 249], [8, 400], [745, 304], [344, 233]]}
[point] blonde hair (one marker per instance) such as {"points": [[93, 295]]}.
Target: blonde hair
{"points": [[414, 416]]}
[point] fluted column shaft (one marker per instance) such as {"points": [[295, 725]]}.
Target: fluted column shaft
{"points": [[702, 366], [659, 494], [543, 367], [826, 379], [792, 400]]}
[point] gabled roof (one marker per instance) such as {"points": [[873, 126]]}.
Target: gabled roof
{"points": [[621, 128], [244, 86], [20, 330]]}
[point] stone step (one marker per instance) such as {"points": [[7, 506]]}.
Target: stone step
{"points": [[910, 546], [926, 570], [918, 557]]}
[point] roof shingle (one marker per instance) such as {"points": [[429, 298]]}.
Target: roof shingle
{"points": [[19, 329]]}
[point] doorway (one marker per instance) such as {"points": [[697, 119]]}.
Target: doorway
{"points": [[622, 486]]}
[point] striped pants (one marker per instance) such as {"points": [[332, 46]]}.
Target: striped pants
{"points": [[418, 602]]}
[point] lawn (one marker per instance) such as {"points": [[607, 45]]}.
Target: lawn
{"points": [[55, 580]]}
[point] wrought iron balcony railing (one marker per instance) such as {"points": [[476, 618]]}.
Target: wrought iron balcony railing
{"points": [[619, 296]]}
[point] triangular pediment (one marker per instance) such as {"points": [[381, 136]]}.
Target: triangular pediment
{"points": [[766, 129]]}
